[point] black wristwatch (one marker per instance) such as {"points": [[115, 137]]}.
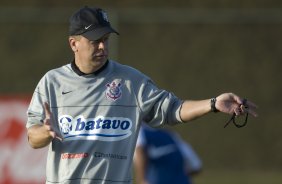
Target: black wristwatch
{"points": [[213, 108]]}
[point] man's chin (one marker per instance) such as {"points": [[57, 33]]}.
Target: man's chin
{"points": [[99, 61], [100, 58]]}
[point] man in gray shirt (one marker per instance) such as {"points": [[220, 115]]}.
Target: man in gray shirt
{"points": [[89, 111]]}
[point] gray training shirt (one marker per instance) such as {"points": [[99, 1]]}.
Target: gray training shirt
{"points": [[98, 115]]}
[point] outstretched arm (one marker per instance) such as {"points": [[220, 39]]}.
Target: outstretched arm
{"points": [[227, 103], [41, 135]]}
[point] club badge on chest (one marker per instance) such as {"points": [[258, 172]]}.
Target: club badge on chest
{"points": [[113, 91]]}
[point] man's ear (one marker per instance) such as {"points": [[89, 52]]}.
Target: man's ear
{"points": [[73, 43]]}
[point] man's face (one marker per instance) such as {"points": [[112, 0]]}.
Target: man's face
{"points": [[94, 52]]}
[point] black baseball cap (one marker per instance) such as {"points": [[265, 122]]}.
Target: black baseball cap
{"points": [[92, 23]]}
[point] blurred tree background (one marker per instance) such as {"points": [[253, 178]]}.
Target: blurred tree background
{"points": [[197, 49]]}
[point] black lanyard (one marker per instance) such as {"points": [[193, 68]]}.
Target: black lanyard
{"points": [[237, 124]]}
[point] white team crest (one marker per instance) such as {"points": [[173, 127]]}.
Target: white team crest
{"points": [[113, 91]]}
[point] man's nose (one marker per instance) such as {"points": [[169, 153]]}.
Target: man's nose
{"points": [[101, 45]]}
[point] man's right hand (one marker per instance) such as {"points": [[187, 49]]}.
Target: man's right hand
{"points": [[41, 135], [47, 123]]}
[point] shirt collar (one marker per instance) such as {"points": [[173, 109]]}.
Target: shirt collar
{"points": [[80, 73]]}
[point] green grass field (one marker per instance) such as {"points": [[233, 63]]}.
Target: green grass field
{"points": [[238, 177]]}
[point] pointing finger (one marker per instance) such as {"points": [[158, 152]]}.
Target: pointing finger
{"points": [[247, 103], [252, 105], [55, 136], [47, 110], [252, 112], [48, 122], [59, 138]]}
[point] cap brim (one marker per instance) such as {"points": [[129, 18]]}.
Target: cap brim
{"points": [[98, 33]]}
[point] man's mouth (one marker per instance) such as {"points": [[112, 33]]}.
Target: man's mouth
{"points": [[100, 55]]}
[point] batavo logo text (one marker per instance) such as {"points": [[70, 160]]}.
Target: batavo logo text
{"points": [[98, 128]]}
